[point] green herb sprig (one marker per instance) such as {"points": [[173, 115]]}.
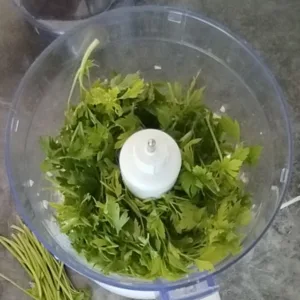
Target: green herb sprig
{"points": [[197, 223]]}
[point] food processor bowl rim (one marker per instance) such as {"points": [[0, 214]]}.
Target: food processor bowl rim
{"points": [[36, 22], [157, 285]]}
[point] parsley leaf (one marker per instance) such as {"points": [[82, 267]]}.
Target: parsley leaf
{"points": [[254, 154], [230, 127], [112, 210]]}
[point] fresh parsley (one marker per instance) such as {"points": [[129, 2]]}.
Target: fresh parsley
{"points": [[197, 223]]}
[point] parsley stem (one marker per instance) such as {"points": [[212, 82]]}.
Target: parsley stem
{"points": [[49, 278], [80, 72], [214, 137], [24, 259]]}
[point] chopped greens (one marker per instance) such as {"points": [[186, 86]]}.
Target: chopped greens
{"points": [[195, 224]]}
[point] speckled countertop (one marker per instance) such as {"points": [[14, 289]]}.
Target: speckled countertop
{"points": [[272, 270]]}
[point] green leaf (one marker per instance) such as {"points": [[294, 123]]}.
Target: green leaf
{"points": [[163, 116], [129, 124], [112, 210], [231, 166], [108, 99], [188, 182], [214, 254], [241, 153], [155, 225], [194, 97], [122, 139], [254, 154], [175, 260], [188, 152], [193, 84], [137, 229], [134, 89], [97, 135], [189, 218], [129, 81], [244, 216], [205, 179], [174, 92], [230, 127], [204, 265]]}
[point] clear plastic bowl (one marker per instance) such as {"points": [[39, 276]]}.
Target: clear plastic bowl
{"points": [[55, 17], [163, 44]]}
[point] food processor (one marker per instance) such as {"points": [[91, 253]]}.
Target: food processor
{"points": [[54, 17], [166, 44]]}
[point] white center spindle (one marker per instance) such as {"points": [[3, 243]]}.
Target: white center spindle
{"points": [[150, 161]]}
